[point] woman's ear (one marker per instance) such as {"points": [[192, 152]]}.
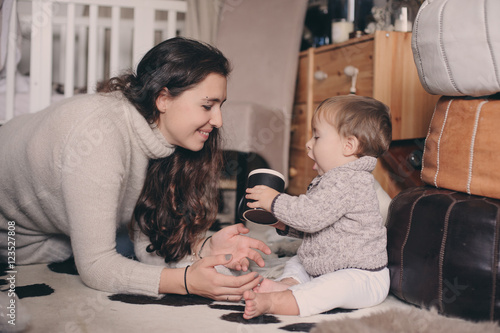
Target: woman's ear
{"points": [[351, 145], [162, 100]]}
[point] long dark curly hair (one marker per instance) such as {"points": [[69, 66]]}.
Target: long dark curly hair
{"points": [[179, 201]]}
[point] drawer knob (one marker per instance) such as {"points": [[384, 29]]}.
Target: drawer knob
{"points": [[292, 172], [320, 75], [353, 73]]}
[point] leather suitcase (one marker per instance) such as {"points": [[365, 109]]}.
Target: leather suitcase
{"points": [[461, 148], [444, 252]]}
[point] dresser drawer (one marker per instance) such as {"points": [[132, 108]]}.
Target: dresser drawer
{"points": [[330, 64]]}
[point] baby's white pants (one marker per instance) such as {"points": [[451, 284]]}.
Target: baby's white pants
{"points": [[346, 288]]}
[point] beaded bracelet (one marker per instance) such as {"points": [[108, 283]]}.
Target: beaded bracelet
{"points": [[185, 284], [202, 245]]}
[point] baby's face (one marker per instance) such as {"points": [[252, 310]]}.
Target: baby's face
{"points": [[326, 147]]}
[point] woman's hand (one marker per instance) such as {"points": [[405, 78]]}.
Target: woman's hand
{"points": [[202, 279], [229, 241]]}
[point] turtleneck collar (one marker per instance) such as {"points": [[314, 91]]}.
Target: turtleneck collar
{"points": [[149, 137]]}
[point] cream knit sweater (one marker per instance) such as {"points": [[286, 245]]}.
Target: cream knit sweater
{"points": [[76, 169]]}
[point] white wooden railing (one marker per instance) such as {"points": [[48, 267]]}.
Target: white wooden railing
{"points": [[83, 42]]}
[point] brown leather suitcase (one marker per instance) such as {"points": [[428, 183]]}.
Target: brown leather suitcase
{"points": [[443, 251]]}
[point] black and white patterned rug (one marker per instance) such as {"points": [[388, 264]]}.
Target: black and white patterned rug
{"points": [[52, 298]]}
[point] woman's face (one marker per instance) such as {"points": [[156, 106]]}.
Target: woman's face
{"points": [[188, 119]]}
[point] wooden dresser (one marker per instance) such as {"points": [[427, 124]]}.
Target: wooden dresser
{"points": [[386, 72]]}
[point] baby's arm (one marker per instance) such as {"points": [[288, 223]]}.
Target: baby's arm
{"points": [[263, 196]]}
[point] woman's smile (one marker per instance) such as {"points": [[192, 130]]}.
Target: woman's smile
{"points": [[188, 119], [205, 133]]}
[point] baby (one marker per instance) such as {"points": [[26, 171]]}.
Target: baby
{"points": [[342, 261]]}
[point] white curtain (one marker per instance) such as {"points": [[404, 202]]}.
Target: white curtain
{"points": [[202, 19], [5, 35]]}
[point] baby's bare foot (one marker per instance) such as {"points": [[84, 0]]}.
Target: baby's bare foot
{"points": [[268, 286], [256, 304]]}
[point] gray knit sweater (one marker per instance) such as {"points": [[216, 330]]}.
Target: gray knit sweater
{"points": [[76, 169], [338, 219]]}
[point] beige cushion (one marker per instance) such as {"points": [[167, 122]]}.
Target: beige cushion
{"points": [[456, 47]]}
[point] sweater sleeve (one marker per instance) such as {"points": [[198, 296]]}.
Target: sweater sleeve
{"points": [[290, 232], [315, 210], [141, 242], [94, 168]]}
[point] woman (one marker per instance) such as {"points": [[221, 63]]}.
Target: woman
{"points": [[73, 173]]}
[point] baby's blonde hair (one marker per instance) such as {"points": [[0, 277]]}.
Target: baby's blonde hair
{"points": [[365, 118]]}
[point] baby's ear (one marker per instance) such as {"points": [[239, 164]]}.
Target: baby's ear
{"points": [[351, 145]]}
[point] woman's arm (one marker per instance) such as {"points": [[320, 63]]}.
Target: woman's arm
{"points": [[92, 209], [93, 164], [201, 276]]}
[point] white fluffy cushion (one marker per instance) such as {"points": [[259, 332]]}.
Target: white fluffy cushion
{"points": [[456, 47]]}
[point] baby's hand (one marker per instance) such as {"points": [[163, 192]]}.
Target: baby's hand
{"points": [[263, 196], [279, 225]]}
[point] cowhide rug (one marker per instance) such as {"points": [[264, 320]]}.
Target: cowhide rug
{"points": [[52, 298]]}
